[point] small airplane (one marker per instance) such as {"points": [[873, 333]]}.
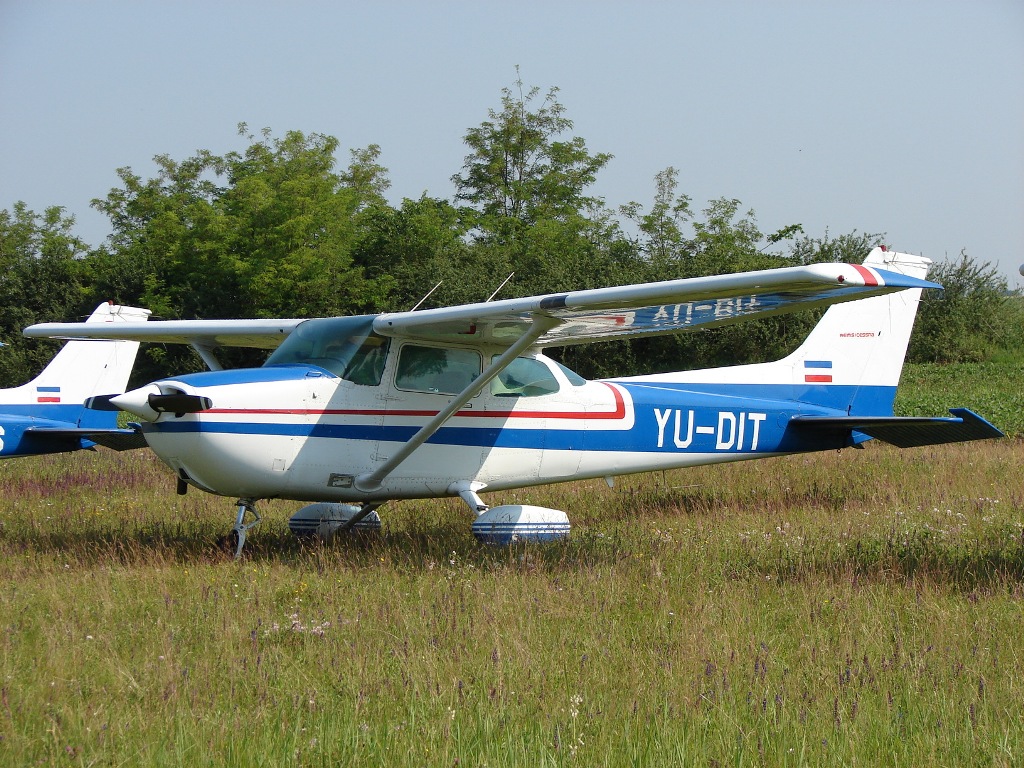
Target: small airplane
{"points": [[49, 414], [351, 412]]}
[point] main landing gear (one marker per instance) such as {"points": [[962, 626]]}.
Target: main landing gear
{"points": [[322, 519]]}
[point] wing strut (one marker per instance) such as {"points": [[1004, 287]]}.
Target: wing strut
{"points": [[371, 481], [205, 351]]}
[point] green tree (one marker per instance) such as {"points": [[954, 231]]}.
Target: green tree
{"points": [[850, 248], [970, 319], [266, 232], [528, 213], [289, 222], [724, 243], [258, 233], [662, 239], [41, 279], [519, 172], [409, 250]]}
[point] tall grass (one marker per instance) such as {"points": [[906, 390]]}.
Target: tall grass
{"points": [[838, 609], [992, 389]]}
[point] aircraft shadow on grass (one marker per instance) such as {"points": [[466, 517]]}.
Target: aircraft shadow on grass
{"points": [[869, 558]]}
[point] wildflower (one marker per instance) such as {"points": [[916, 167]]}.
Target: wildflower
{"points": [[574, 709]]}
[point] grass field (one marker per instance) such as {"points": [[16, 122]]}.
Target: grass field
{"points": [[854, 608], [994, 389]]}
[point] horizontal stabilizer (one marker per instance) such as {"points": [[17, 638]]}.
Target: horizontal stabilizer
{"points": [[907, 431], [115, 439]]}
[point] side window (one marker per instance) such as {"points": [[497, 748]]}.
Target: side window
{"points": [[524, 377], [441, 371]]}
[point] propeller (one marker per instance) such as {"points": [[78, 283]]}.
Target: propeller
{"points": [[149, 402]]}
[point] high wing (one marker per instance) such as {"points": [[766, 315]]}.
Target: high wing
{"points": [[571, 318], [203, 335], [258, 333], [649, 308]]}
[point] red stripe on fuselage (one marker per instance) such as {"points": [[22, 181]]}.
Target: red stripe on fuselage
{"points": [[821, 378]]}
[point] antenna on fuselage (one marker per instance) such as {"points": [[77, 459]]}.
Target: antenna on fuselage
{"points": [[426, 295], [503, 282]]}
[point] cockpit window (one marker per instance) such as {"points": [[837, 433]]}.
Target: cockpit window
{"points": [[524, 377], [574, 378], [345, 346]]}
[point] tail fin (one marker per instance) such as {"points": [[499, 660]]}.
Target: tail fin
{"points": [[860, 346], [852, 359], [82, 369]]}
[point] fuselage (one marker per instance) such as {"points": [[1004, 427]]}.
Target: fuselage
{"points": [[300, 430]]}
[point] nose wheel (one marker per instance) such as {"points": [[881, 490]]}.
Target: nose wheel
{"points": [[236, 538]]}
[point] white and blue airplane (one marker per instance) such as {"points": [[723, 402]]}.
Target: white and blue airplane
{"points": [[50, 415], [350, 412]]}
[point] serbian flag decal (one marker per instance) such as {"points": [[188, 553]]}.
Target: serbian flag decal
{"points": [[818, 371], [47, 394]]}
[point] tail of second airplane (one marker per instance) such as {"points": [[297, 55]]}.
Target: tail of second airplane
{"points": [[852, 359], [82, 369]]}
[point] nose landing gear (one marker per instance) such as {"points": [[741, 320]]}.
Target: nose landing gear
{"points": [[237, 536]]}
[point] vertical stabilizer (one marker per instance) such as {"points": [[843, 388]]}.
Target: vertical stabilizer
{"points": [[861, 345], [83, 368]]}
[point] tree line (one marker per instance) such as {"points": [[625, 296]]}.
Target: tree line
{"points": [[281, 228]]}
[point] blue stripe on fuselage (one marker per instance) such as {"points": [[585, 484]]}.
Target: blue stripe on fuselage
{"points": [[668, 418]]}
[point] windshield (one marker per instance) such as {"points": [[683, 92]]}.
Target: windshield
{"points": [[345, 346]]}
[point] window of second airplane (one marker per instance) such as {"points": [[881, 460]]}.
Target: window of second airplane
{"points": [[438, 371]]}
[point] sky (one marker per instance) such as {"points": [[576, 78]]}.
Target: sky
{"points": [[897, 117]]}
